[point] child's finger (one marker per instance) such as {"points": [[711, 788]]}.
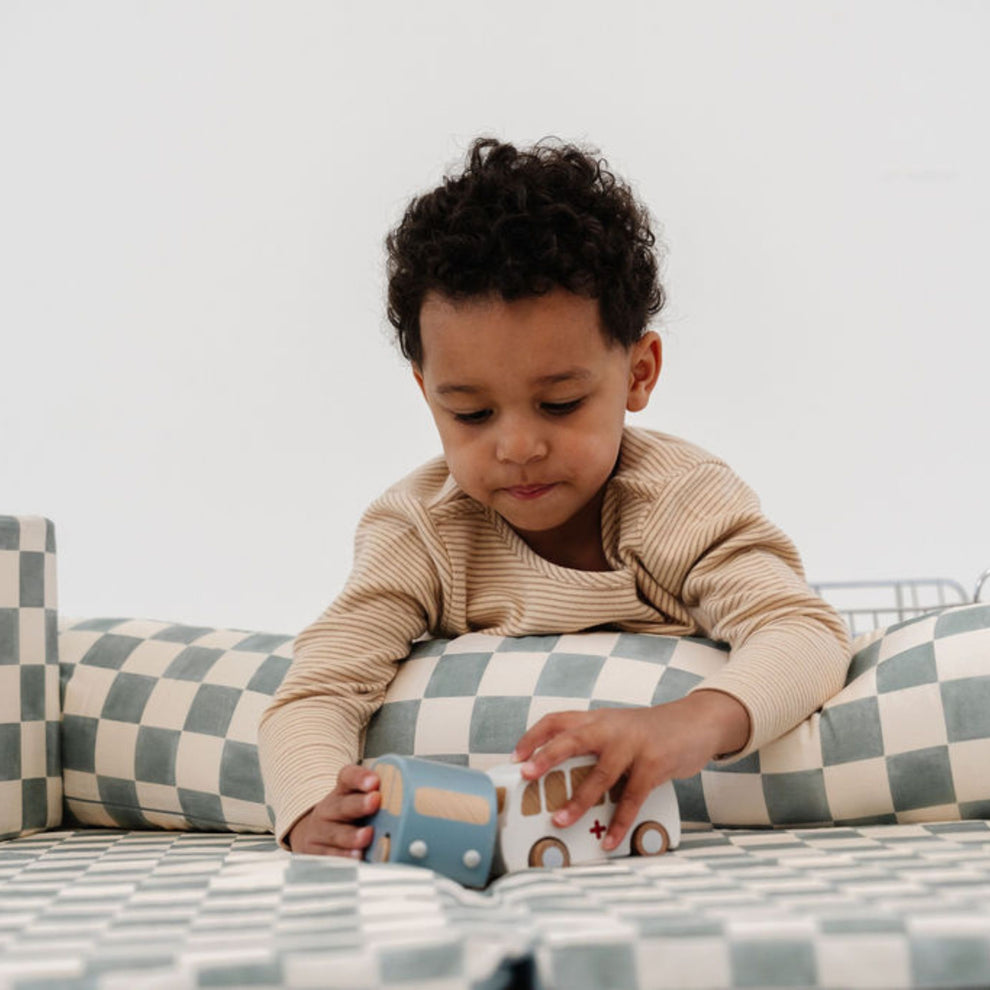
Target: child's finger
{"points": [[561, 747], [635, 792], [348, 837], [599, 779], [355, 778], [540, 732], [332, 839], [358, 804]]}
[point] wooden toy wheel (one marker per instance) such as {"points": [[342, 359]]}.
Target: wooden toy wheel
{"points": [[649, 839], [383, 847], [549, 852]]}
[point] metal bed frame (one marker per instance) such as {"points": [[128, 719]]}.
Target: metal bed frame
{"points": [[869, 605]]}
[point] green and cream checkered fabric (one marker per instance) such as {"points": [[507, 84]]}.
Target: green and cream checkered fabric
{"points": [[469, 699], [869, 907], [907, 739], [30, 778], [160, 721]]}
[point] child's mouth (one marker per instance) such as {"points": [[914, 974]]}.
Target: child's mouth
{"points": [[527, 492]]}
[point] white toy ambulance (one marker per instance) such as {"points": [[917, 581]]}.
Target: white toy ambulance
{"points": [[527, 837]]}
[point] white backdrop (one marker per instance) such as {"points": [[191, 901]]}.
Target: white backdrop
{"points": [[198, 383]]}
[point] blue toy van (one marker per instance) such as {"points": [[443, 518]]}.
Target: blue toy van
{"points": [[436, 815]]}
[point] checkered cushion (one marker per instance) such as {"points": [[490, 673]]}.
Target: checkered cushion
{"points": [[907, 739], [469, 699], [159, 724], [30, 781], [160, 721]]}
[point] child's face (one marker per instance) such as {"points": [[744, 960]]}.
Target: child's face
{"points": [[530, 398]]}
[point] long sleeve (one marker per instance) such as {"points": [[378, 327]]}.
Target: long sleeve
{"points": [[343, 663], [741, 580], [691, 553]]}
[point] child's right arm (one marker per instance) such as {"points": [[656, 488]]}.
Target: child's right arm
{"points": [[342, 664]]}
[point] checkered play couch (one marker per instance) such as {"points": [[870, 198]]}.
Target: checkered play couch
{"points": [[853, 852]]}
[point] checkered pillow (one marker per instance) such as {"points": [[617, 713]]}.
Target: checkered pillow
{"points": [[30, 782], [907, 739], [159, 723], [469, 699]]}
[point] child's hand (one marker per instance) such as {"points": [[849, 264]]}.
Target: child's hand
{"points": [[649, 745], [327, 829]]}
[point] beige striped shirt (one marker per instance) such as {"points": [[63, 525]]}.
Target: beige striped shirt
{"points": [[691, 554]]}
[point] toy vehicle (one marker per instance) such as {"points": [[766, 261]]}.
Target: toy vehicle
{"points": [[472, 824], [436, 815], [527, 837]]}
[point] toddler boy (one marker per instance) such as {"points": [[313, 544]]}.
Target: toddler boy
{"points": [[520, 291]]}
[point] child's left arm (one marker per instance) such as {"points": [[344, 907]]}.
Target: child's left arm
{"points": [[740, 580]]}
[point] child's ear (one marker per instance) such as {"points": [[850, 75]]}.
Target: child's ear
{"points": [[645, 361], [418, 375]]}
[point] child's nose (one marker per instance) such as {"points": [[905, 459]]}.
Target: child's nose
{"points": [[518, 443]]}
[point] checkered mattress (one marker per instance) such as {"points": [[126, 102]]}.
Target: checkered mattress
{"points": [[879, 906]]}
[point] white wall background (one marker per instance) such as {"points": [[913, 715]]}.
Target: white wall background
{"points": [[197, 380]]}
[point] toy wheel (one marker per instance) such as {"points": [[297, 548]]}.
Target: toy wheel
{"points": [[649, 839], [549, 852], [383, 847]]}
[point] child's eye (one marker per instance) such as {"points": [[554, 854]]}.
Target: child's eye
{"points": [[473, 417], [561, 408]]}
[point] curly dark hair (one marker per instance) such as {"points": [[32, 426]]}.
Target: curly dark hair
{"points": [[520, 223]]}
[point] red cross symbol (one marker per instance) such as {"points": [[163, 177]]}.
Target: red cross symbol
{"points": [[598, 829]]}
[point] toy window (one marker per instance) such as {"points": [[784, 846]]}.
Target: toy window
{"points": [[577, 778], [556, 789], [531, 804], [615, 791], [391, 788], [435, 802]]}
